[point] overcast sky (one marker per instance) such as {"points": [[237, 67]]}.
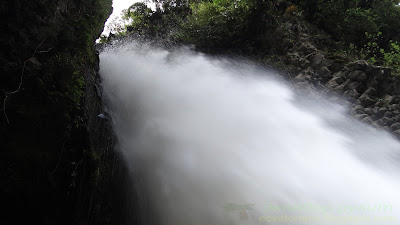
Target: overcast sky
{"points": [[118, 6]]}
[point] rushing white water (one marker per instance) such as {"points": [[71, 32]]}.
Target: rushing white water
{"points": [[213, 141]]}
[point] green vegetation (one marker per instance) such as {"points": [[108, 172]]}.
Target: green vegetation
{"points": [[270, 28], [368, 29], [165, 20], [217, 24], [376, 54]]}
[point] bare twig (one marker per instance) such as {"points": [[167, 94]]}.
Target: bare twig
{"points": [[45, 51], [8, 94], [59, 158]]}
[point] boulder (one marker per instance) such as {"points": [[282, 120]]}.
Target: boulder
{"points": [[395, 106], [378, 72], [293, 58], [334, 66], [304, 75], [387, 99], [379, 104], [307, 48], [381, 112], [315, 59], [303, 63], [318, 59], [352, 94], [352, 86], [337, 79], [388, 114], [361, 88], [324, 72], [357, 75], [397, 132], [395, 126], [368, 111], [332, 83], [396, 118], [358, 107], [395, 100], [371, 91], [341, 87], [367, 120], [340, 74], [358, 65], [361, 116], [366, 100], [377, 125], [387, 121]]}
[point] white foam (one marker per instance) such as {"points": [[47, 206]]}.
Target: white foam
{"points": [[199, 135]]}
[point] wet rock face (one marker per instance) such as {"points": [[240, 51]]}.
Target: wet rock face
{"points": [[108, 197], [370, 90], [48, 160], [374, 99]]}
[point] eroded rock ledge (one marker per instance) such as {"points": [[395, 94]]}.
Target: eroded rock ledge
{"points": [[371, 91]]}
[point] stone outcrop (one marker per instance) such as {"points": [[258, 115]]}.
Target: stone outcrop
{"points": [[371, 91], [57, 160], [103, 201]]}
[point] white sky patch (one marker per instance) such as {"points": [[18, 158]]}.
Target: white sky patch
{"points": [[118, 6]]}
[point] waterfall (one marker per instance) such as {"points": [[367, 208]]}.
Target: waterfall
{"points": [[212, 140]]}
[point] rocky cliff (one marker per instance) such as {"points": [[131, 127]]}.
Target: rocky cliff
{"points": [[58, 164], [371, 91]]}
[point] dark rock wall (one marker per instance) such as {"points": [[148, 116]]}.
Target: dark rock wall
{"points": [[371, 91], [106, 194], [57, 158]]}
